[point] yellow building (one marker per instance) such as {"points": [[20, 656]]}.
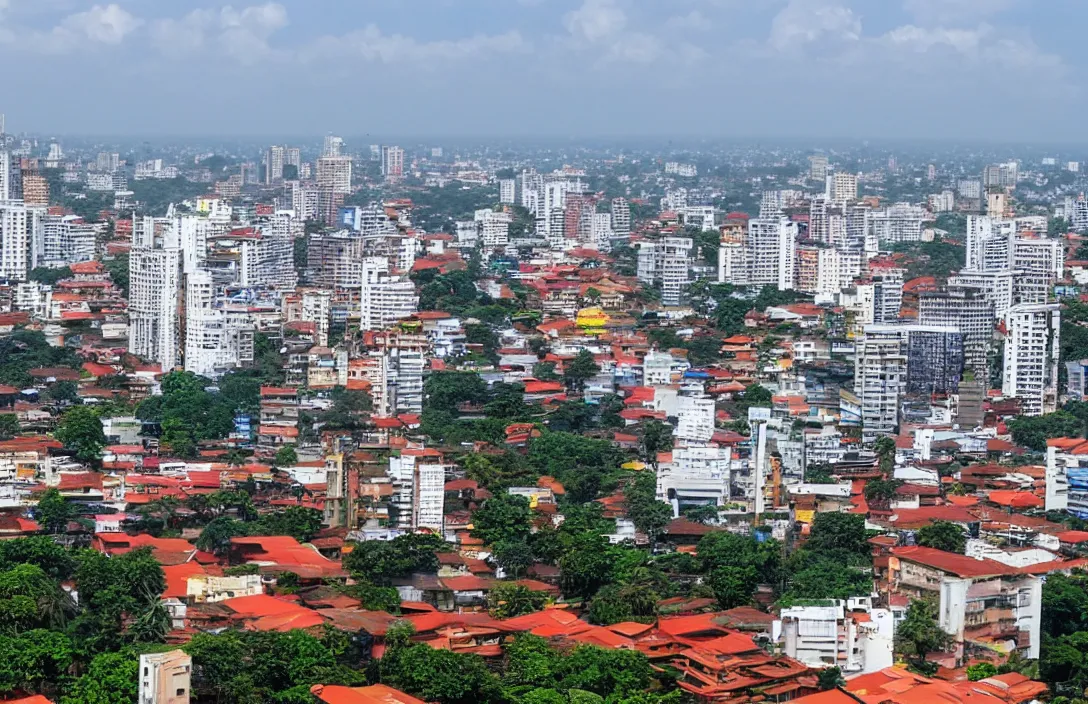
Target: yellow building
{"points": [[592, 320]]}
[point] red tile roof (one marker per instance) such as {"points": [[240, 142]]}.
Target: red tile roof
{"points": [[953, 563]]}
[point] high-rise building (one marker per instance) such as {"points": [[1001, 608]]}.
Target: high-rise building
{"points": [[887, 296], [384, 299], [507, 191], [967, 310], [880, 365], [696, 476], [602, 232], [60, 240], [35, 188], [268, 254], [153, 302], [334, 172], [274, 160], [900, 222], [666, 263], [843, 186], [621, 218], [817, 168], [1031, 357], [216, 339], [393, 163], [494, 227], [15, 226], [772, 252], [333, 146]]}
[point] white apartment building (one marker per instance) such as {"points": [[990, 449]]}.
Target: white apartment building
{"points": [[658, 368], [967, 310], [823, 446], [217, 339], [880, 368], [989, 243], [317, 309], [334, 172], [842, 186], [696, 476], [268, 259], [384, 299], [887, 296], [418, 490], [14, 240], [943, 202], [1039, 256], [826, 221], [392, 163], [60, 240], [154, 280], [507, 191], [1031, 357], [621, 217], [493, 227], [601, 235], [395, 372], [666, 263], [273, 164], [900, 222], [848, 634], [695, 419], [772, 252]]}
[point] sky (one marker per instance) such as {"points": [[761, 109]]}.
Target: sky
{"points": [[909, 69]]}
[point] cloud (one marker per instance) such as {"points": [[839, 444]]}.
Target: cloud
{"points": [[372, 44], [596, 20], [242, 34], [101, 24], [805, 21]]}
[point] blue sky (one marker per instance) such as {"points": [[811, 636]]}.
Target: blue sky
{"points": [[960, 69]]}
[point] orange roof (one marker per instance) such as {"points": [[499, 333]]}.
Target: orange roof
{"points": [[177, 578], [374, 694], [1073, 536], [831, 696], [953, 563], [1015, 499]]}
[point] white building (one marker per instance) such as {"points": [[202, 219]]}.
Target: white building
{"points": [[772, 252], [1031, 357], [900, 222], [494, 227], [384, 299], [154, 280], [842, 186], [621, 218], [418, 489], [848, 634], [880, 368], [696, 476], [666, 263], [695, 419], [507, 191], [165, 678], [14, 240], [334, 172], [392, 163], [268, 259]]}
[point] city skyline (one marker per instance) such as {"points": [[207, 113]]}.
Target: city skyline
{"points": [[551, 68]]}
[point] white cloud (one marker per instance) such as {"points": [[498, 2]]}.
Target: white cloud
{"points": [[372, 44], [107, 24], [914, 38], [596, 20], [242, 34], [805, 21]]}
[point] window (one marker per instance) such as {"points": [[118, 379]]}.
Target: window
{"points": [[180, 692]]}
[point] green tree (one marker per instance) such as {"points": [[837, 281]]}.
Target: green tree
{"points": [[1064, 605], [53, 511], [9, 426], [980, 671], [36, 661], [580, 370], [649, 515], [80, 430], [733, 586], [832, 532], [38, 550], [656, 437], [1033, 431], [881, 489], [586, 565], [885, 454], [286, 456], [514, 556], [215, 538], [379, 562], [830, 678], [299, 522], [502, 518], [942, 535], [507, 599], [48, 276], [545, 371], [919, 633]]}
